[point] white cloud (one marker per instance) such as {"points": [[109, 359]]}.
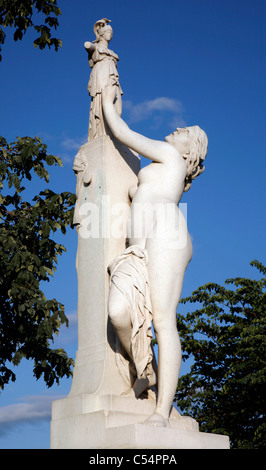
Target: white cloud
{"points": [[70, 143], [32, 410], [71, 146], [177, 121], [154, 109]]}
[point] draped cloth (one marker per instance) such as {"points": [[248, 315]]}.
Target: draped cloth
{"points": [[128, 274], [104, 72]]}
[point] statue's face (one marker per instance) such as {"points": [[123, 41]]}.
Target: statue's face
{"points": [[180, 140], [106, 32]]}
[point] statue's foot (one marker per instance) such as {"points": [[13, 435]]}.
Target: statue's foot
{"points": [[157, 420]]}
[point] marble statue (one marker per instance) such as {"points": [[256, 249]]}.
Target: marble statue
{"points": [[133, 248], [103, 63], [160, 246]]}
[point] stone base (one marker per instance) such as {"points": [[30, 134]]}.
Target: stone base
{"points": [[117, 422], [143, 436]]}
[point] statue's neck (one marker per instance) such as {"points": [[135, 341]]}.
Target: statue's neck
{"points": [[103, 43]]}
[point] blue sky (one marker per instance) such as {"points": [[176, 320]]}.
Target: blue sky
{"points": [[181, 63]]}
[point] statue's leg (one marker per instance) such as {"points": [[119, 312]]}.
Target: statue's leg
{"points": [[120, 317], [166, 276]]}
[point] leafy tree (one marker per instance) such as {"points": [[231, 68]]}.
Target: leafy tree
{"points": [[225, 388], [28, 253], [19, 15], [28, 256]]}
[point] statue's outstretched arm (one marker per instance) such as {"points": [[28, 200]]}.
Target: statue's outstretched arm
{"points": [[89, 46], [155, 150]]}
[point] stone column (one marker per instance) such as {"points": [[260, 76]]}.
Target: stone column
{"points": [[104, 207]]}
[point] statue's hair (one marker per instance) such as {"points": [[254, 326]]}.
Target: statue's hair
{"points": [[197, 153]]}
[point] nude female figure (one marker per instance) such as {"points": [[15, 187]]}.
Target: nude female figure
{"points": [[175, 163]]}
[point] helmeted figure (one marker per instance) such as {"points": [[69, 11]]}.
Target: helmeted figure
{"points": [[103, 63]]}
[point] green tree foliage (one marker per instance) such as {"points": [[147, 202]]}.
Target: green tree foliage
{"points": [[19, 15], [28, 253], [225, 336], [28, 256]]}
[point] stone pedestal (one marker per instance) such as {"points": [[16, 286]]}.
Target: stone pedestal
{"points": [[96, 414], [117, 422]]}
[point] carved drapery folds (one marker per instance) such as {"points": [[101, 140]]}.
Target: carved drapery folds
{"points": [[129, 275]]}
